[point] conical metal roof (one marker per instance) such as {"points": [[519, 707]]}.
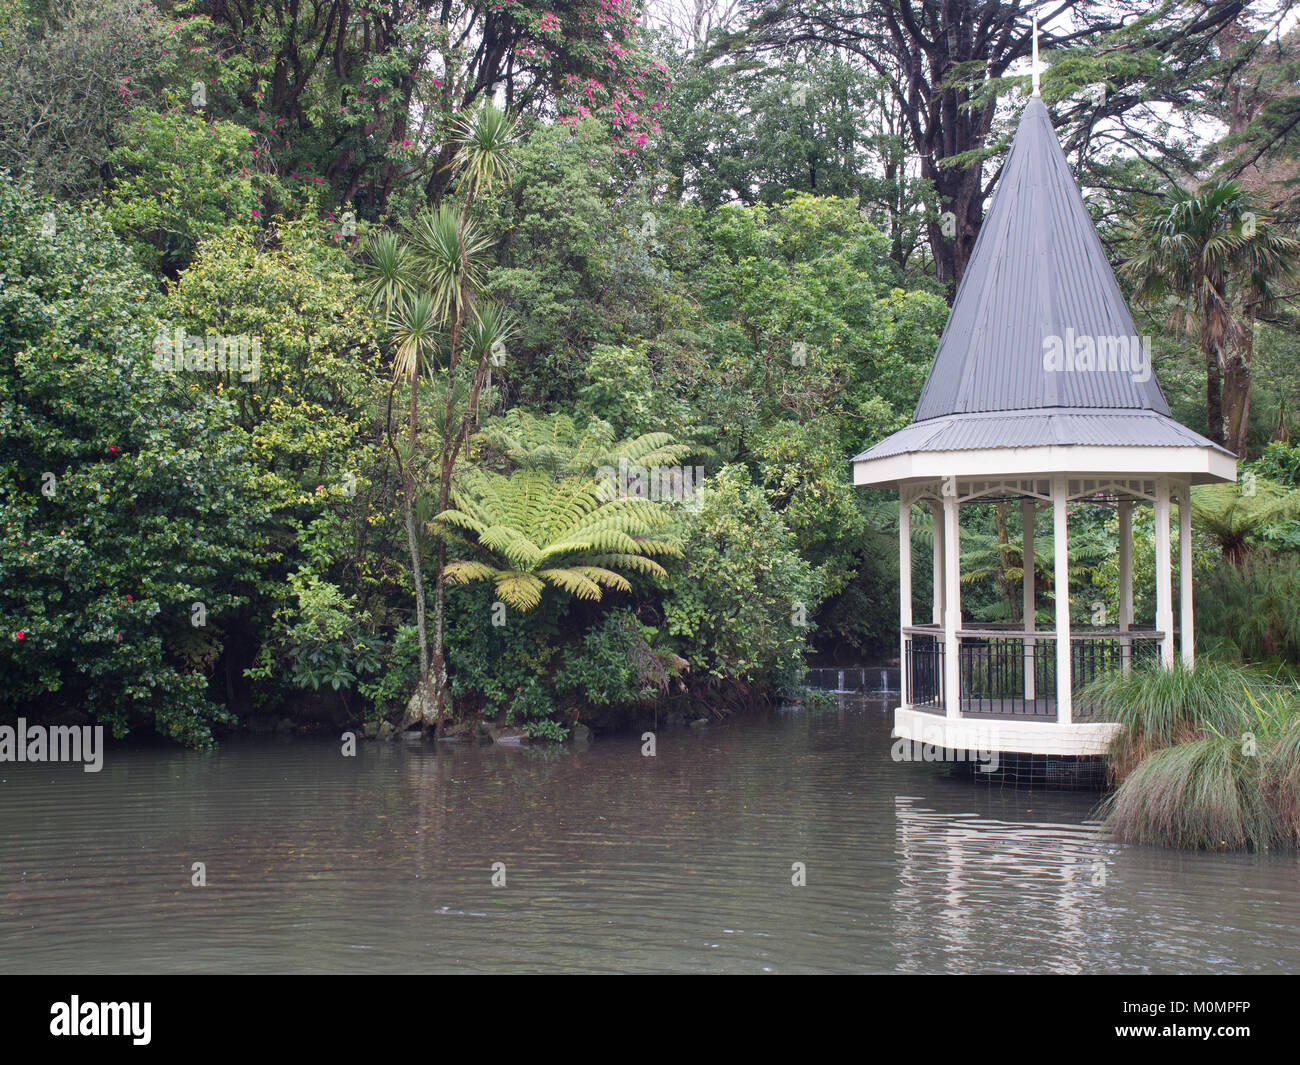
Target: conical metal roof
{"points": [[1040, 350], [1038, 272]]}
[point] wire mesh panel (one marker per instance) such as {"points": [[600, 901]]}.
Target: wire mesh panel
{"points": [[1039, 770]]}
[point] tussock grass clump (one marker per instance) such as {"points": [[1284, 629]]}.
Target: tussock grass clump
{"points": [[1159, 707], [1282, 779], [1209, 757], [1204, 794]]}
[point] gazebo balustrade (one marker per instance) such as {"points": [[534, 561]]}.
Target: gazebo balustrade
{"points": [[1009, 673]]}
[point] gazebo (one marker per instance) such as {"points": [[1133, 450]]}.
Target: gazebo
{"points": [[1041, 392]]}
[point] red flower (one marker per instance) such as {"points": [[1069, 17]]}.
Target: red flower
{"points": [[19, 634]]}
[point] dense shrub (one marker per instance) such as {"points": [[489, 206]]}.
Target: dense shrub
{"points": [[128, 510], [740, 605]]}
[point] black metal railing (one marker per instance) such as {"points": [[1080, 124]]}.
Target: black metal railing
{"points": [[994, 669], [995, 663], [1093, 655], [925, 669]]}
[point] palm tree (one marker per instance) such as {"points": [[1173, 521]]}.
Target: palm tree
{"points": [[538, 531], [426, 287], [1214, 254]]}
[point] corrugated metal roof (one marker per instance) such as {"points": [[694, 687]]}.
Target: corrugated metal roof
{"points": [[1038, 428], [1038, 271]]}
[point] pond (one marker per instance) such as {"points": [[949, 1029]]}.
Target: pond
{"points": [[612, 862]]}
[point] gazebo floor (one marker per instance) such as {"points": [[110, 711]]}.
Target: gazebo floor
{"points": [[1003, 730]]}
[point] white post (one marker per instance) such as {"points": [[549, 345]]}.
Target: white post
{"points": [[937, 511], [904, 594], [951, 603], [1126, 581], [1027, 558], [1061, 592], [1164, 577], [1185, 571]]}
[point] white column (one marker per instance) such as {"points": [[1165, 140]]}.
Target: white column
{"points": [[952, 605], [1061, 591], [937, 511], [1164, 576], [1185, 571], [904, 594], [1126, 580], [1029, 606]]}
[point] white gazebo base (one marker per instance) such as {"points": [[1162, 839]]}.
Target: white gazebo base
{"points": [[1004, 735]]}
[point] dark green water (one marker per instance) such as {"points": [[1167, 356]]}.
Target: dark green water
{"points": [[614, 862]]}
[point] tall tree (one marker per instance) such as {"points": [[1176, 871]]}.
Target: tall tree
{"points": [[364, 92], [1211, 249], [946, 63]]}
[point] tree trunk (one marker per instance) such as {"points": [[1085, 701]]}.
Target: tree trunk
{"points": [[1236, 403], [412, 540], [1212, 352]]}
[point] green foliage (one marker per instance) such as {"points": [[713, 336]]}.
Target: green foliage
{"points": [[1251, 612], [387, 691], [1234, 517], [123, 505], [304, 425], [565, 533], [740, 605], [613, 664], [555, 442], [69, 78], [1280, 463], [1203, 795], [178, 180], [621, 386], [1231, 782], [1159, 707], [320, 640], [501, 662], [574, 264]]}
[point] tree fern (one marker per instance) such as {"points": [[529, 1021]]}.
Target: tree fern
{"points": [[1231, 516], [537, 530], [557, 443]]}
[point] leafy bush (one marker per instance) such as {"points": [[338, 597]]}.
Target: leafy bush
{"points": [[128, 514], [613, 664], [179, 179], [320, 641], [500, 660], [740, 605]]}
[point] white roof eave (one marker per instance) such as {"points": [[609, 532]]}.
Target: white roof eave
{"points": [[1200, 465]]}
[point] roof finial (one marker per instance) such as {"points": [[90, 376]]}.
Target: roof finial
{"points": [[1035, 69]]}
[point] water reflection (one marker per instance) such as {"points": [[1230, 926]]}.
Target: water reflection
{"points": [[614, 862]]}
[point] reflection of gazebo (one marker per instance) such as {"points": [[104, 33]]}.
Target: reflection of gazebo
{"points": [[1040, 392]]}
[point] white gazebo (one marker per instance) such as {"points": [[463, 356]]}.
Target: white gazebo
{"points": [[1041, 392]]}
